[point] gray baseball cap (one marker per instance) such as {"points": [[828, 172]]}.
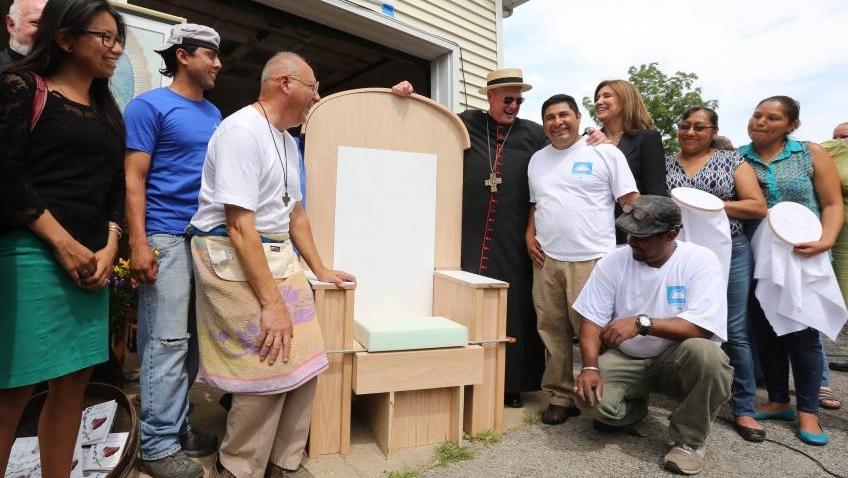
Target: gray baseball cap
{"points": [[191, 34], [649, 215]]}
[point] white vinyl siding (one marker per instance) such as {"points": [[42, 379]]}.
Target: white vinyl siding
{"points": [[472, 24]]}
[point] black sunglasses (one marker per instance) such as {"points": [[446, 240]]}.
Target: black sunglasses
{"points": [[509, 99]]}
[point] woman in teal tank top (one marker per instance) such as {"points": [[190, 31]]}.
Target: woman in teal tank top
{"points": [[789, 170]]}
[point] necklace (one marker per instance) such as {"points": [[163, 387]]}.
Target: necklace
{"points": [[283, 164], [771, 157], [494, 180], [83, 100], [615, 137], [691, 165]]}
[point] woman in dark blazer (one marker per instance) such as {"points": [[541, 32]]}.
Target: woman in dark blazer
{"points": [[628, 125]]}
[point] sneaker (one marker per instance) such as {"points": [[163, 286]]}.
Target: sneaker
{"points": [[685, 459], [196, 443], [177, 465]]}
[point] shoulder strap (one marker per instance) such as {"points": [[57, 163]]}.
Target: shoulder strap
{"points": [[39, 100]]}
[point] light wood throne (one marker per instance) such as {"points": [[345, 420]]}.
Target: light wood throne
{"points": [[384, 185]]}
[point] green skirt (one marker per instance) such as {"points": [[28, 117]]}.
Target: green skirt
{"points": [[49, 327]]}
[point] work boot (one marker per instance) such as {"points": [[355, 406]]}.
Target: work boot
{"points": [[196, 443], [177, 465]]}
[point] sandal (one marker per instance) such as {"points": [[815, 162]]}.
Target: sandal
{"points": [[828, 399]]}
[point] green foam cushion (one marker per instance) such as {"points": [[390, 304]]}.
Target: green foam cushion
{"points": [[408, 333]]}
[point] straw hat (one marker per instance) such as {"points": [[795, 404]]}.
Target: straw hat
{"points": [[505, 77]]}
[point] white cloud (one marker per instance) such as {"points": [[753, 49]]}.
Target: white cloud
{"points": [[742, 52]]}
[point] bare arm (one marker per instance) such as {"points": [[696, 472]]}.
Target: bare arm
{"points": [[589, 384], [105, 260], [628, 198], [275, 326], [143, 261], [672, 328], [537, 255], [750, 203], [301, 234], [829, 195]]}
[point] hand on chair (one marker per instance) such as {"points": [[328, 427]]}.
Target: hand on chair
{"points": [[336, 277], [404, 88]]}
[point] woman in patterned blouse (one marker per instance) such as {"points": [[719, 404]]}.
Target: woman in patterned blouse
{"points": [[802, 172], [700, 165]]}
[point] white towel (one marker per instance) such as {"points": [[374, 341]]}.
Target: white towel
{"points": [[710, 229], [796, 292]]}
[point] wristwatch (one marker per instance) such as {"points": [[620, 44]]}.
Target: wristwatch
{"points": [[644, 322]]}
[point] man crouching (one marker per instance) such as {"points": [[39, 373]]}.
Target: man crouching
{"points": [[654, 313]]}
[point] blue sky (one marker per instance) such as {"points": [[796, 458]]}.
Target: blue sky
{"points": [[742, 51]]}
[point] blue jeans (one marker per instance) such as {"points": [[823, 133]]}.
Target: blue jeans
{"points": [[825, 369], [167, 343], [802, 348], [738, 347]]}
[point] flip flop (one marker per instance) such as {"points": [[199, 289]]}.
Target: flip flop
{"points": [[828, 399]]}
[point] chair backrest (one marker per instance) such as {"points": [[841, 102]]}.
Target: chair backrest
{"points": [[384, 185]]}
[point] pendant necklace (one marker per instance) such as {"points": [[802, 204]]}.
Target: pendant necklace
{"points": [[283, 164], [494, 180]]}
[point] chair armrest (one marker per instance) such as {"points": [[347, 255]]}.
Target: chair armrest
{"points": [[319, 284], [474, 301], [470, 279]]}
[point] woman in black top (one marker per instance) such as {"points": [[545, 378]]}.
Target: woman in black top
{"points": [[61, 200], [628, 125]]}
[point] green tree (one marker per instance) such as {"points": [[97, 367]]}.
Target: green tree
{"points": [[666, 98]]}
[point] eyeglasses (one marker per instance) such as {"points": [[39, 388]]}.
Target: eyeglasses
{"points": [[314, 86], [640, 214], [509, 99], [109, 40], [699, 128]]}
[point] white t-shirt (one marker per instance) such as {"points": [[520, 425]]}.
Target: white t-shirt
{"points": [[243, 169], [689, 286], [575, 190]]}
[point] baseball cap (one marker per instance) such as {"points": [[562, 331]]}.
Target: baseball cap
{"points": [[191, 34], [649, 215]]}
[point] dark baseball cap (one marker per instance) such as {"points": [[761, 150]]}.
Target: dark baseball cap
{"points": [[191, 34], [649, 215]]}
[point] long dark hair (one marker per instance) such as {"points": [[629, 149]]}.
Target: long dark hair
{"points": [[46, 57]]}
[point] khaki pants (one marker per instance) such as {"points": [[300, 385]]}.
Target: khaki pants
{"points": [[556, 286], [264, 429], [696, 371]]}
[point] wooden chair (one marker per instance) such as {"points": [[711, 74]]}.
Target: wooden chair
{"points": [[384, 192]]}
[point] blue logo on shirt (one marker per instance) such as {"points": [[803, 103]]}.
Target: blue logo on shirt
{"points": [[582, 168], [676, 296]]}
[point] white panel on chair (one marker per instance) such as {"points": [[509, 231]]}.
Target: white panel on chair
{"points": [[385, 229]]}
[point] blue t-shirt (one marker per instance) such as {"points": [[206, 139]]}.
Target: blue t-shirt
{"points": [[175, 131]]}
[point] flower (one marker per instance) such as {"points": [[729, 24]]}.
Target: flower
{"points": [[123, 294]]}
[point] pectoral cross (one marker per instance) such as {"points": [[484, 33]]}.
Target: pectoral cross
{"points": [[493, 182], [286, 199]]}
